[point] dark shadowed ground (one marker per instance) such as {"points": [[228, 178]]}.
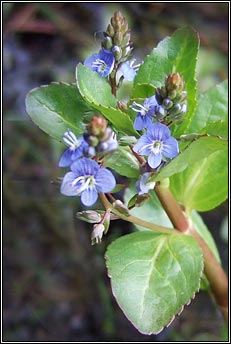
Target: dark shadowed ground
{"points": [[55, 286]]}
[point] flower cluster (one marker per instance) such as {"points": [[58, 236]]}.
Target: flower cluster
{"points": [[173, 98], [85, 155], [114, 56], [86, 177], [157, 112]]}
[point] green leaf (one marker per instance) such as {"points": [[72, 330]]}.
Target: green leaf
{"points": [[123, 162], [152, 211], [196, 151], [212, 107], [216, 128], [203, 185], [153, 276], [143, 91], [177, 53], [56, 108], [97, 92]]}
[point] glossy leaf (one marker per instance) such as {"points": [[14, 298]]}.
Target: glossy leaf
{"points": [[219, 128], [143, 91], [195, 152], [203, 185], [153, 276], [212, 107], [96, 91], [56, 108], [177, 53], [123, 162]]}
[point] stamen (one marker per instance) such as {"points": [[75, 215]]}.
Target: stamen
{"points": [[99, 64], [87, 182], [71, 140], [140, 108], [157, 147]]}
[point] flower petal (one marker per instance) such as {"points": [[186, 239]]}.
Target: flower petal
{"points": [[65, 159], [89, 197], [142, 122], [89, 60], [104, 180], [158, 131], [143, 146], [84, 167], [154, 160], [67, 188], [127, 71], [170, 148]]}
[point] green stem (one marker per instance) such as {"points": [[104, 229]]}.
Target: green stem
{"points": [[133, 219], [212, 268]]}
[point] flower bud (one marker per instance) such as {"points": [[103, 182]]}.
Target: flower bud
{"points": [[173, 98], [97, 233], [117, 52], [126, 39], [121, 207], [107, 43], [97, 125], [167, 103], [91, 140], [118, 38], [90, 216], [128, 140], [110, 31], [174, 82]]}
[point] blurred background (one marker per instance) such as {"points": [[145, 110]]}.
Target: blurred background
{"points": [[55, 286]]}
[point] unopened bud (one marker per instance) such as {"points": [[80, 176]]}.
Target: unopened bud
{"points": [[128, 140], [121, 207], [126, 39], [122, 106], [167, 103], [97, 234], [117, 52], [107, 43], [91, 140], [118, 38], [174, 82], [110, 30], [90, 216], [97, 126]]}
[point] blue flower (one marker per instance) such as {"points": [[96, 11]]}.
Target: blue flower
{"points": [[75, 150], [102, 63], [142, 184], [157, 144], [145, 113], [127, 70], [86, 179]]}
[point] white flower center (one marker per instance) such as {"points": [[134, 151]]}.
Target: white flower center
{"points": [[100, 65], [71, 140], [85, 182], [157, 147]]}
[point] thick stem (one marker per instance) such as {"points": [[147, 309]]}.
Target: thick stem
{"points": [[214, 272], [212, 268], [113, 84], [172, 208]]}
